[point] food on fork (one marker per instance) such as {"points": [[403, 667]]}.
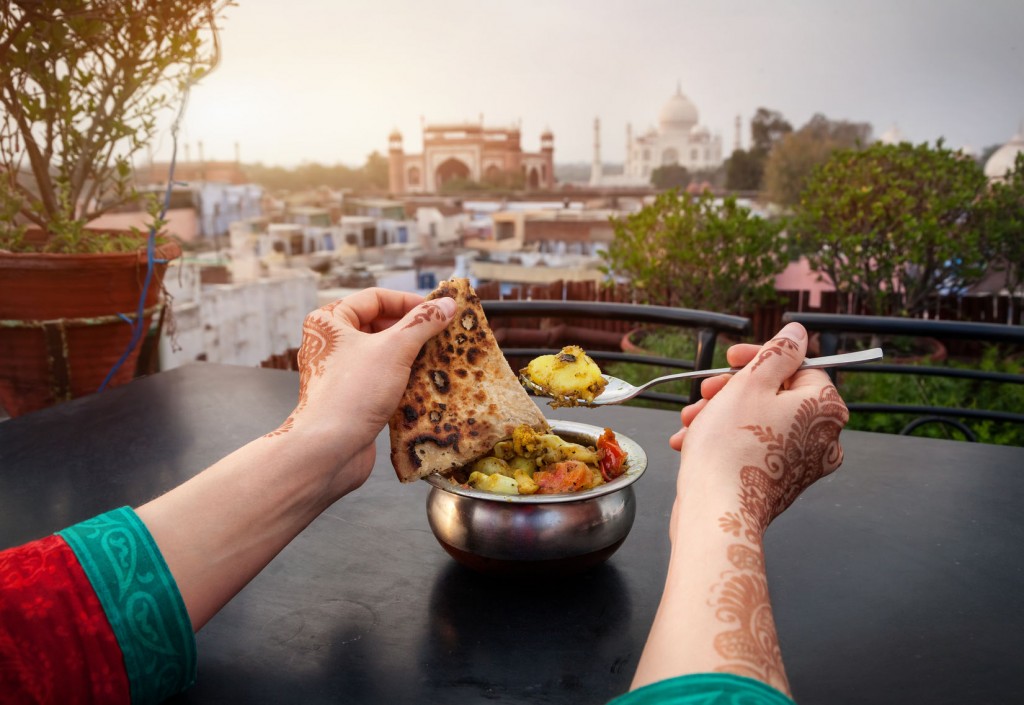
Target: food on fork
{"points": [[462, 397], [569, 377]]}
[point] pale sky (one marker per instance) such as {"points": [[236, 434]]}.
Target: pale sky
{"points": [[327, 80]]}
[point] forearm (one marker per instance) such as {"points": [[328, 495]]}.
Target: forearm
{"points": [[715, 614], [219, 529]]}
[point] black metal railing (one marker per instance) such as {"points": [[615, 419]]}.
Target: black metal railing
{"points": [[832, 328], [707, 326]]}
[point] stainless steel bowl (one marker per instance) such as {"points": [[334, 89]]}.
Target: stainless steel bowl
{"points": [[528, 534]]}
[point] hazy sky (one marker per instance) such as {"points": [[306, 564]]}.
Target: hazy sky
{"points": [[327, 80]]}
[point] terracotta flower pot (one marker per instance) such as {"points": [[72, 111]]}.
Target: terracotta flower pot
{"points": [[632, 341], [63, 322]]}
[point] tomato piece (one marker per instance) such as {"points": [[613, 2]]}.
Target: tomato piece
{"points": [[612, 458], [566, 476]]}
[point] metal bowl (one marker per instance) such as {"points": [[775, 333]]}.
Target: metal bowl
{"points": [[538, 534]]}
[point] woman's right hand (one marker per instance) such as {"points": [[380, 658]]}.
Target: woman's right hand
{"points": [[761, 436]]}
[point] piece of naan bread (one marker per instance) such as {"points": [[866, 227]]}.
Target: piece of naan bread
{"points": [[462, 396]]}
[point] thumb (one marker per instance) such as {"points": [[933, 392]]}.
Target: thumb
{"points": [[420, 324], [780, 357]]}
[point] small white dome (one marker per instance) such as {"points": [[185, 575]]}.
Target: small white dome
{"points": [[678, 114], [1002, 160], [892, 136]]}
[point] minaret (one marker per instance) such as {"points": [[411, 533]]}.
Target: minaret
{"points": [[396, 163], [595, 167], [547, 149], [738, 144], [628, 166]]}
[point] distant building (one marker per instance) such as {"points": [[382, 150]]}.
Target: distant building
{"points": [[542, 246], [1003, 159], [679, 139], [218, 192], [471, 152]]}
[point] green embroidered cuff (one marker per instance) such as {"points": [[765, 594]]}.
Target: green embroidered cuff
{"points": [[141, 600], [705, 689]]}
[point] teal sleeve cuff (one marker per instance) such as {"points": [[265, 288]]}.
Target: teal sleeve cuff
{"points": [[141, 600], [705, 689]]}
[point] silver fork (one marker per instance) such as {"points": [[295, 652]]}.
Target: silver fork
{"points": [[618, 391]]}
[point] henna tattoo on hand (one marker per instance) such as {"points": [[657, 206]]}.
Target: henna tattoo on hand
{"points": [[752, 648], [428, 312], [319, 340], [329, 308], [283, 428], [731, 523], [792, 462], [774, 347]]}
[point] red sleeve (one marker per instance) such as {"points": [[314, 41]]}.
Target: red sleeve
{"points": [[56, 645]]}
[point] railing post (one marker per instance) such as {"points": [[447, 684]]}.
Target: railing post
{"points": [[703, 359], [828, 342]]}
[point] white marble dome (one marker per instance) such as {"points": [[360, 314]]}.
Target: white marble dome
{"points": [[678, 114], [892, 136], [1002, 160]]}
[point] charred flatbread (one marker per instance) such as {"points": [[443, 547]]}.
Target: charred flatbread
{"points": [[462, 396]]}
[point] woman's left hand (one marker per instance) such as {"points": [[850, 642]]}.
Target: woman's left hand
{"points": [[354, 364]]}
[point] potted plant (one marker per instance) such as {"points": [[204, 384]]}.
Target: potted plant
{"points": [[83, 86]]}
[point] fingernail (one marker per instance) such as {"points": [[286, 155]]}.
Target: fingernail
{"points": [[447, 306], [793, 331]]}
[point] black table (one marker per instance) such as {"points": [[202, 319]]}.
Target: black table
{"points": [[898, 579]]}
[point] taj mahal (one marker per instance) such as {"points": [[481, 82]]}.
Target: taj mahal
{"points": [[679, 139]]}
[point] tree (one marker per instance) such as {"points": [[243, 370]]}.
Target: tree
{"points": [[696, 251], [82, 85], [670, 176], [1003, 209], [893, 225], [796, 154], [767, 128], [373, 175], [375, 171], [745, 170]]}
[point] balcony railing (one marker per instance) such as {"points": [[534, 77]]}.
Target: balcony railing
{"points": [[831, 328]]}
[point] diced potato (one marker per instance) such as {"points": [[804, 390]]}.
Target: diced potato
{"points": [[499, 484], [504, 450], [521, 464], [555, 448], [569, 377], [525, 482], [489, 465]]}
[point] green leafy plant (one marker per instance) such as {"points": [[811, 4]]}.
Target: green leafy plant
{"points": [[911, 389], [698, 252], [83, 84], [893, 225]]}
